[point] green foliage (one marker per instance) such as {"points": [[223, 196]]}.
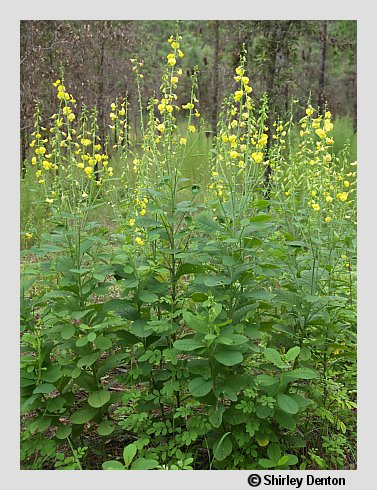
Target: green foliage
{"points": [[211, 330]]}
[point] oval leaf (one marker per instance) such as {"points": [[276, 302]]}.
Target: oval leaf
{"points": [[63, 431], [199, 386], [105, 428], [98, 398], [187, 345], [112, 465], [228, 357], [287, 403], [144, 464]]}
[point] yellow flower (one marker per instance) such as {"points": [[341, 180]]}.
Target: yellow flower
{"points": [[85, 142], [215, 174], [328, 125], [40, 151], [49, 201], [161, 127], [29, 236], [234, 123], [71, 117], [309, 111], [34, 161], [192, 129], [238, 95], [328, 198], [233, 154], [88, 171], [327, 158], [342, 196], [174, 79], [240, 71], [112, 106], [172, 61], [175, 45], [180, 54], [346, 183], [183, 141], [131, 222], [189, 105], [257, 156], [316, 207], [328, 219], [320, 132], [47, 165], [139, 241], [58, 82], [224, 137], [38, 173]]}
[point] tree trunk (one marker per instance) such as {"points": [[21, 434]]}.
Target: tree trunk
{"points": [[215, 78], [273, 50], [322, 67], [101, 109]]}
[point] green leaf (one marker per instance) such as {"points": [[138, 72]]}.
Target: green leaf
{"points": [[272, 355], [215, 415], [44, 388], [98, 398], [83, 416], [300, 373], [67, 332], [105, 428], [92, 336], [287, 403], [104, 343], [213, 281], [292, 353], [223, 447], [148, 297], [129, 452], [228, 357], [285, 420], [267, 380], [266, 463], [274, 452], [233, 416], [187, 344], [81, 342], [288, 459], [195, 322], [88, 360], [199, 386], [144, 464], [52, 374], [112, 465], [141, 329], [262, 439], [63, 431]]}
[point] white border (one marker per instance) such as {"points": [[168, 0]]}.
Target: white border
{"points": [[193, 9]]}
